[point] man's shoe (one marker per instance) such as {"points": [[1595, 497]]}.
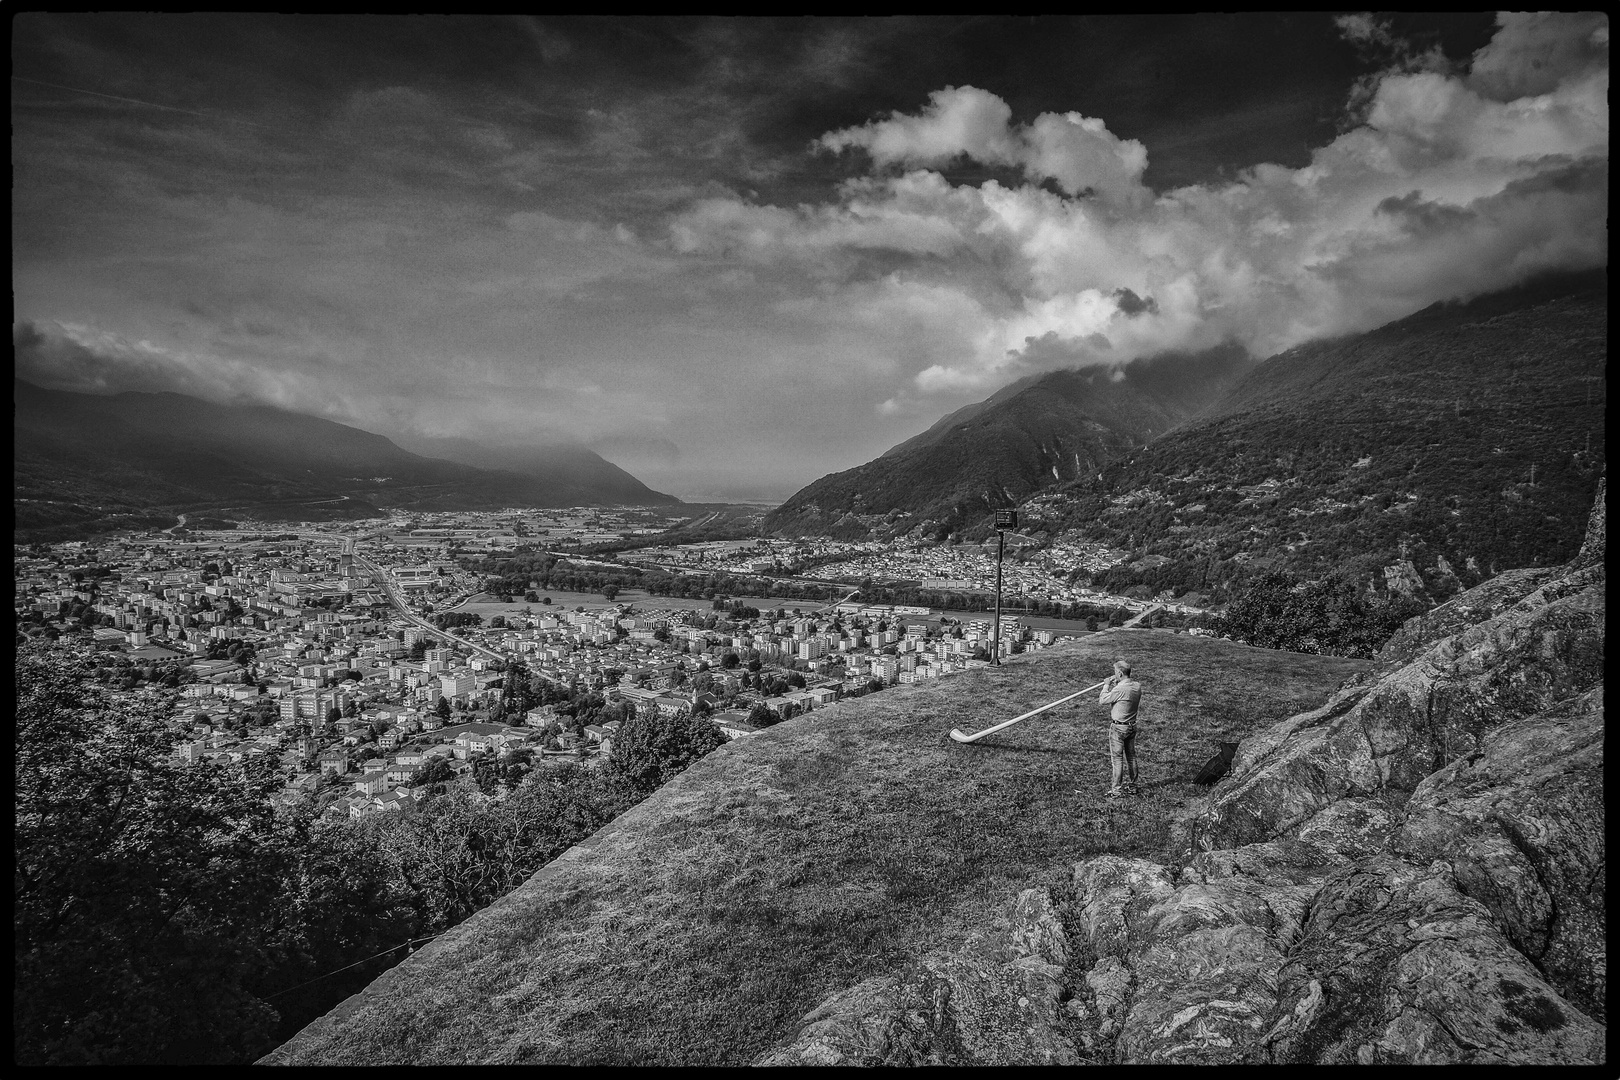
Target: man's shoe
{"points": [[1116, 793]]}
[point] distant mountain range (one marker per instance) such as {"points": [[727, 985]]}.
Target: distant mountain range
{"points": [[1411, 444], [88, 463]]}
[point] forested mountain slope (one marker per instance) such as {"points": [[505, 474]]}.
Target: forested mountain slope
{"points": [[1446, 447]]}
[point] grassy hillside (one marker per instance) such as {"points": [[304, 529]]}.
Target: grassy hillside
{"points": [[703, 924]]}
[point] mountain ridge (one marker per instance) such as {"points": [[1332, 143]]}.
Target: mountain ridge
{"points": [[1421, 456], [86, 463], [1056, 427], [584, 469]]}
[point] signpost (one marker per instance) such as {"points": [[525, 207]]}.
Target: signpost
{"points": [[1005, 519]]}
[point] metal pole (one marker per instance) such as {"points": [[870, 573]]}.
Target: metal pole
{"points": [[995, 633]]}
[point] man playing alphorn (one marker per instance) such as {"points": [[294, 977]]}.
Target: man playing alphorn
{"points": [[1124, 694]]}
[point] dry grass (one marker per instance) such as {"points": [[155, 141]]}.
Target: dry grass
{"points": [[796, 862]]}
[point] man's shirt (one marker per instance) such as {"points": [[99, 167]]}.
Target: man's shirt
{"points": [[1124, 697]]}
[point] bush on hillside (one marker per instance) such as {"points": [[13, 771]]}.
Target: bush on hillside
{"points": [[652, 747]]}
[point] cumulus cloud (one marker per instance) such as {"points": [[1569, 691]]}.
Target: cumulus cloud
{"points": [[1447, 184], [1076, 151]]}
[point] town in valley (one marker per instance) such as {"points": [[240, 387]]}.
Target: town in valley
{"points": [[355, 656]]}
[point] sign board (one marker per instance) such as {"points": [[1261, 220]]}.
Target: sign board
{"points": [[1006, 519]]}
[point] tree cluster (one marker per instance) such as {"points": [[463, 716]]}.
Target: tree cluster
{"points": [[170, 915], [1329, 617]]}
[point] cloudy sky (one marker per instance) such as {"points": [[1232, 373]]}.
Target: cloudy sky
{"points": [[732, 255]]}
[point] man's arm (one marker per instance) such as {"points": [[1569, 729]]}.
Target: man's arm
{"points": [[1110, 693]]}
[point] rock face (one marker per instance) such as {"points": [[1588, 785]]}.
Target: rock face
{"points": [[996, 1002], [1521, 825], [1412, 873]]}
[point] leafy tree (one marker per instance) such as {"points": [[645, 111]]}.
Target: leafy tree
{"points": [[486, 773], [760, 715], [442, 707], [141, 887], [334, 714], [438, 771], [531, 597], [466, 850], [650, 749]]}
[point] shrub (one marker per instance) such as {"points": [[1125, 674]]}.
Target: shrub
{"points": [[653, 747]]}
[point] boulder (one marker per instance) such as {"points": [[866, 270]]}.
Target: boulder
{"points": [[1545, 648], [1521, 823], [1395, 966], [1482, 602], [1272, 953], [1403, 579]]}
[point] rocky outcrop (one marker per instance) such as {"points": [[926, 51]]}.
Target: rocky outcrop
{"points": [[1521, 825], [1390, 733], [1412, 873], [1257, 958], [994, 1002]]}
